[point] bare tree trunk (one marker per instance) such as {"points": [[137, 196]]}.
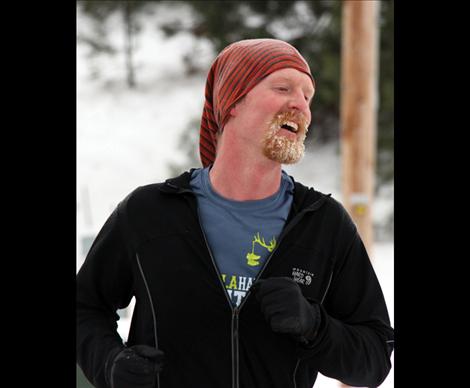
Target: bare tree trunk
{"points": [[129, 45]]}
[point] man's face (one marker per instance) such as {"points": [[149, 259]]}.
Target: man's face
{"points": [[275, 114]]}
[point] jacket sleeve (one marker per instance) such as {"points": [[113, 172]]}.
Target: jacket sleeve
{"points": [[104, 285], [355, 339]]}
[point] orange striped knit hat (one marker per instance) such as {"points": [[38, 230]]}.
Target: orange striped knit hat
{"points": [[235, 71]]}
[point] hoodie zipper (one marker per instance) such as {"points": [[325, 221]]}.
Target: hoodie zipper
{"points": [[236, 310], [235, 357]]}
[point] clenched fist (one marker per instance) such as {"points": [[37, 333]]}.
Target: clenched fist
{"points": [[286, 309]]}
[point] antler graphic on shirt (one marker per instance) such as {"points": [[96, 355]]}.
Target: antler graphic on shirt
{"points": [[260, 241], [253, 259]]}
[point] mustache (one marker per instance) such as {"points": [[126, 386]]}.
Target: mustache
{"points": [[296, 117]]}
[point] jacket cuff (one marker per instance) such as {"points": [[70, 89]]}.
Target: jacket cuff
{"points": [[308, 348]]}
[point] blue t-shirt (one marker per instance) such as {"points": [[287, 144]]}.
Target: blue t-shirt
{"points": [[241, 234]]}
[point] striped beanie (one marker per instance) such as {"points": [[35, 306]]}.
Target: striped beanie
{"points": [[235, 71]]}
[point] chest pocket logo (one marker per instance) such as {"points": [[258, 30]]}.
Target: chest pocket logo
{"points": [[302, 276], [252, 257]]}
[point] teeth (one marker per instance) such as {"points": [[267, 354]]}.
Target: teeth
{"points": [[292, 125]]}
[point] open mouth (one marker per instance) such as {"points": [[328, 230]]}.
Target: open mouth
{"points": [[290, 126]]}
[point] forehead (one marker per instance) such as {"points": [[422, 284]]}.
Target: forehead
{"points": [[291, 75]]}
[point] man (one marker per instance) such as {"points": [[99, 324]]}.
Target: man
{"points": [[242, 276]]}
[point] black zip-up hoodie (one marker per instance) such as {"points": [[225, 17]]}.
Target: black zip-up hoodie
{"points": [[153, 247]]}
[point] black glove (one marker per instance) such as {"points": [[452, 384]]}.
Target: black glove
{"points": [[135, 366], [286, 309]]}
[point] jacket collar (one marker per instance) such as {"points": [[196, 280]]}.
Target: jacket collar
{"points": [[304, 197], [179, 184]]}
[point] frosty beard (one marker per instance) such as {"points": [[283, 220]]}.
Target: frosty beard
{"points": [[280, 148]]}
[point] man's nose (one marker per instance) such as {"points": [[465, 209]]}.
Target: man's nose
{"points": [[297, 101]]}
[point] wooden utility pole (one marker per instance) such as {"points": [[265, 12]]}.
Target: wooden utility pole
{"points": [[359, 58], [359, 102]]}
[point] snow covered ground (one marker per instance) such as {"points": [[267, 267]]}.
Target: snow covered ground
{"points": [[127, 138]]}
